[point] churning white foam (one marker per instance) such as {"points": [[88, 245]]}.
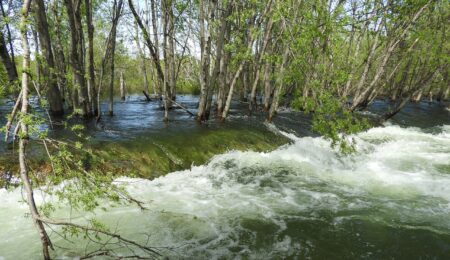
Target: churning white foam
{"points": [[398, 177]]}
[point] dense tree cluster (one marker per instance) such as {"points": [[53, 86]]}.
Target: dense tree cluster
{"points": [[268, 53]]}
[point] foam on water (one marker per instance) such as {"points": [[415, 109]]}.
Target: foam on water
{"points": [[303, 199]]}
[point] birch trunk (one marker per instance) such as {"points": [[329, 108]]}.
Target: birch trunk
{"points": [[252, 104], [157, 80], [236, 77], [267, 86], [24, 135], [279, 87], [205, 60]]}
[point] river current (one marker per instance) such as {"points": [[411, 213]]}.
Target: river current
{"points": [[391, 199]]}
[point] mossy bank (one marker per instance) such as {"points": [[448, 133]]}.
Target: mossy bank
{"points": [[150, 156]]}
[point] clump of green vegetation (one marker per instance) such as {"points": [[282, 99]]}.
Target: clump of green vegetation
{"points": [[333, 120], [147, 157]]}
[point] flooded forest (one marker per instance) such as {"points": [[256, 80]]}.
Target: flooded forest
{"points": [[207, 129]]}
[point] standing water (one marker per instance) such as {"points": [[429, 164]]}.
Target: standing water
{"points": [[303, 200]]}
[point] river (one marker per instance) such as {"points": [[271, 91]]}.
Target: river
{"points": [[391, 199]]}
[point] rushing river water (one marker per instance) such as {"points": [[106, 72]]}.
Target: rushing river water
{"points": [[391, 199]]}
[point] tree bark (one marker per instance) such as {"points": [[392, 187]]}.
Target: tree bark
{"points": [[267, 86], [117, 12], [219, 61], [143, 65], [150, 45], [268, 28], [24, 134], [60, 59], [122, 87], [205, 61], [7, 59], [158, 81], [53, 94], [10, 67], [91, 87], [279, 87], [77, 54]]}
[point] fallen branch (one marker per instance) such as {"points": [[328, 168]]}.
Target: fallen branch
{"points": [[145, 248], [13, 115], [180, 106], [146, 95]]}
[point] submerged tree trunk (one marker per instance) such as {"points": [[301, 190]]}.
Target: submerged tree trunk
{"points": [[143, 65], [252, 103], [122, 87], [92, 87], [117, 12], [77, 54], [205, 60], [222, 82], [236, 76], [60, 60], [279, 87], [267, 86], [53, 93]]}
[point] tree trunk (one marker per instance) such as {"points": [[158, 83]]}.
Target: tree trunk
{"points": [[90, 28], [171, 52], [267, 86], [279, 87], [222, 81], [143, 65], [220, 56], [158, 81], [7, 59], [24, 134], [37, 58], [117, 12], [122, 87], [259, 58], [77, 53], [53, 94], [60, 60], [230, 92], [236, 75], [205, 61], [10, 67], [151, 46]]}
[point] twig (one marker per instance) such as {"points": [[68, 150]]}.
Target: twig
{"points": [[100, 231], [13, 114]]}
